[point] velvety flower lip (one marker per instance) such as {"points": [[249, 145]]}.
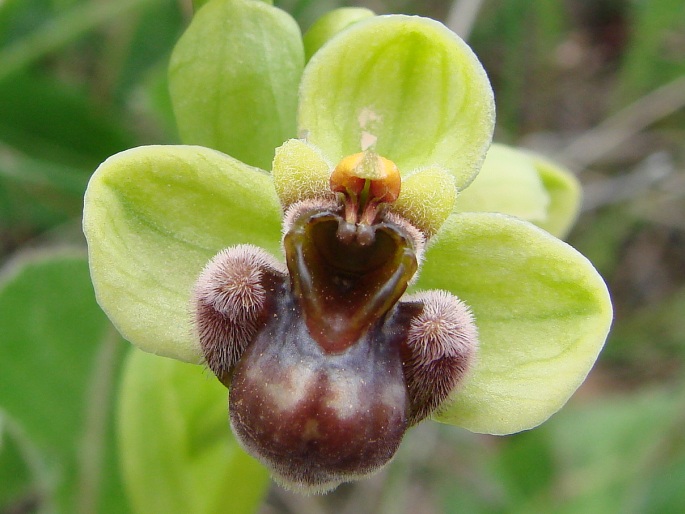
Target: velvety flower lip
{"points": [[155, 216], [327, 362]]}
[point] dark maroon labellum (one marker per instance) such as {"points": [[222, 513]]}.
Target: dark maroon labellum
{"points": [[327, 367], [321, 387]]}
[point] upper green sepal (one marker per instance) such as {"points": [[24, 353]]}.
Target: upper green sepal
{"points": [[153, 217], [233, 79], [542, 311], [330, 24], [407, 85]]}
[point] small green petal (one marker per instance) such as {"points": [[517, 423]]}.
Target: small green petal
{"points": [[508, 183], [542, 311], [565, 195], [153, 217], [233, 79], [331, 24], [410, 83], [427, 198], [300, 171]]}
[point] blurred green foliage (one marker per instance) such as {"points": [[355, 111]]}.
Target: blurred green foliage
{"points": [[59, 362], [655, 55], [83, 79]]}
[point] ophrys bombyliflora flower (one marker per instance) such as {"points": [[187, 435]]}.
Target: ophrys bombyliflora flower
{"points": [[414, 93]]}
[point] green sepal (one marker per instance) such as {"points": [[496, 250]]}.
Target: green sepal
{"points": [[233, 79], [329, 25], [508, 183], [542, 312], [408, 83], [521, 183], [565, 194], [153, 217], [175, 445]]}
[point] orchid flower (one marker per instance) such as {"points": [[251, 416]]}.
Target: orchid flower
{"points": [[345, 295]]}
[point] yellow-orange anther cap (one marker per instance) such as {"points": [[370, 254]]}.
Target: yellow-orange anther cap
{"points": [[352, 172]]}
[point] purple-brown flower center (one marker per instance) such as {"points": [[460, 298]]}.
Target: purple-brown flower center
{"points": [[327, 363]]}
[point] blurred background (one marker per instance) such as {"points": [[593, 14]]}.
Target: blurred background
{"points": [[598, 86]]}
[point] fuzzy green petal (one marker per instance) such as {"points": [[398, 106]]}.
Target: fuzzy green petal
{"points": [[153, 217], [542, 311], [331, 24], [300, 171], [408, 82], [565, 196], [508, 183], [233, 79], [427, 199]]}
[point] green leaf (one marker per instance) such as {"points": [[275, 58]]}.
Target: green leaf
{"points": [[652, 55], [525, 467], [663, 316], [136, 51], [49, 121], [59, 360], [628, 449], [37, 193], [233, 79], [407, 81], [59, 179], [176, 447], [542, 311], [508, 183], [331, 24], [19, 17], [514, 38], [153, 217], [58, 31], [44, 328], [199, 3], [15, 472]]}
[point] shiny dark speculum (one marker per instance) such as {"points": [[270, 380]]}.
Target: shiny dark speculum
{"points": [[345, 287]]}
